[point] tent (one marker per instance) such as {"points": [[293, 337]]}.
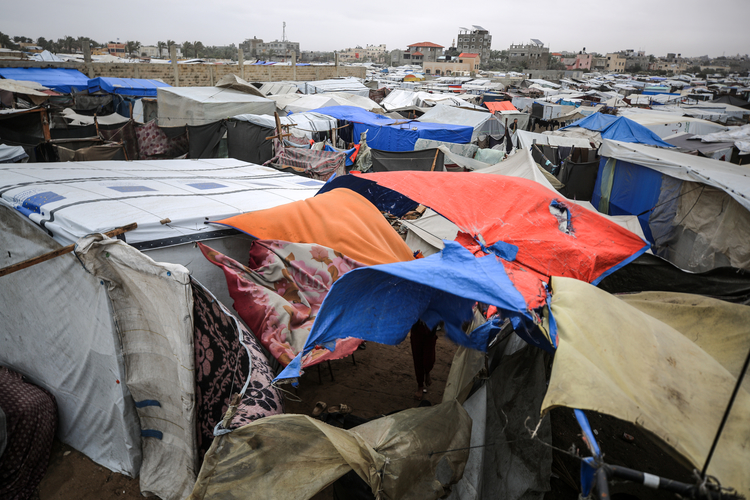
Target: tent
{"points": [[388, 134], [305, 123], [695, 211], [298, 103], [483, 123], [350, 85], [134, 87], [619, 128], [77, 353], [63, 80], [494, 106], [665, 124], [202, 105]]}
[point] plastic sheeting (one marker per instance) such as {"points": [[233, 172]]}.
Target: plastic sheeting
{"points": [[58, 331], [64, 80], [201, 105], [482, 122], [488, 219], [298, 103], [619, 128], [424, 160], [76, 199], [614, 359], [526, 139], [342, 220], [664, 124], [350, 85], [12, 154], [79, 119], [393, 454], [305, 124], [153, 305], [388, 134], [136, 87]]}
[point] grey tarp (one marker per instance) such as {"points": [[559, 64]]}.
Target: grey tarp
{"points": [[424, 160], [401, 456], [204, 139], [247, 141]]}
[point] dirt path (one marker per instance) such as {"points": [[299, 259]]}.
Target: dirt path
{"points": [[381, 381]]}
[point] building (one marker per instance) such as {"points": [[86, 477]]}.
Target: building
{"points": [[476, 41], [376, 53], [463, 64], [117, 49], [255, 48], [533, 55], [581, 61], [357, 54], [417, 53], [599, 64], [615, 63]]}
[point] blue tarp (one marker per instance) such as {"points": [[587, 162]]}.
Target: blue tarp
{"points": [[349, 152], [387, 134], [61, 80], [635, 191], [135, 87], [381, 303], [618, 128]]}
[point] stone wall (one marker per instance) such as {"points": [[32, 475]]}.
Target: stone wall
{"points": [[197, 75]]}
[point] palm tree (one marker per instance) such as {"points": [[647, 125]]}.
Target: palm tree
{"points": [[198, 46], [170, 44], [186, 46], [68, 42], [160, 46]]}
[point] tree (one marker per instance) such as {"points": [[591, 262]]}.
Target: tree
{"points": [[7, 42], [160, 46], [198, 47], [186, 47], [68, 43], [132, 46], [170, 44]]}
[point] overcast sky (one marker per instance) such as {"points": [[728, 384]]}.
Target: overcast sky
{"points": [[689, 27]]}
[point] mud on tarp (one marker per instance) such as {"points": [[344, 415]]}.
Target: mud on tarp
{"points": [[426, 159], [226, 354]]}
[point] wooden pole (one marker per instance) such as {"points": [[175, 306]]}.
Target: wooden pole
{"points": [[434, 161], [60, 251]]}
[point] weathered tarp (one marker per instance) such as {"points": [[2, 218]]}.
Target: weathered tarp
{"points": [[64, 80], [614, 359], [388, 134], [137, 87], [424, 160], [342, 220], [278, 294], [153, 305], [393, 454], [321, 165], [619, 128]]}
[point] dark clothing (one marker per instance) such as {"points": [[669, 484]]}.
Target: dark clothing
{"points": [[422, 350]]}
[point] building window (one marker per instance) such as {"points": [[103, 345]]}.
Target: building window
{"points": [[473, 40]]}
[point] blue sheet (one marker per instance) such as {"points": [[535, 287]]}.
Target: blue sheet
{"points": [[619, 128], [63, 80], [135, 87], [381, 303], [388, 134]]}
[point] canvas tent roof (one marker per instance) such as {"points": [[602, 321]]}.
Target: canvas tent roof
{"points": [[500, 106], [298, 103], [305, 123], [64, 80], [481, 122], [388, 134], [349, 84], [201, 105], [136, 87], [619, 128], [664, 123], [728, 177], [79, 198]]}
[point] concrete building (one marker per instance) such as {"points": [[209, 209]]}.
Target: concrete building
{"points": [[581, 61], [465, 63], [117, 49], [533, 55], [476, 40], [255, 48], [417, 53], [371, 53], [615, 63], [599, 64]]}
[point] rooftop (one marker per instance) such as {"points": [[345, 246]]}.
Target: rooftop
{"points": [[426, 44], [468, 54]]}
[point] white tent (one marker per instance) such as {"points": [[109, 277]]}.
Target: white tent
{"points": [[350, 85], [67, 324], [298, 103], [664, 123], [482, 122], [202, 105], [405, 98], [305, 123]]}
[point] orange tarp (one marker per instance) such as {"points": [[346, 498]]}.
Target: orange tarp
{"points": [[500, 106], [340, 219]]}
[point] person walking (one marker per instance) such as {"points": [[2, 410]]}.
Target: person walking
{"points": [[423, 352]]}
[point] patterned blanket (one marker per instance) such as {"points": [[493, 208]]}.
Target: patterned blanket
{"points": [[310, 163], [280, 292]]}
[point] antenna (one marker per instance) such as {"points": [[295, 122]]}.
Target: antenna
{"points": [[283, 33]]}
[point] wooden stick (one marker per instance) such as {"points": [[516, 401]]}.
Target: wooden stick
{"points": [[60, 251], [434, 160]]}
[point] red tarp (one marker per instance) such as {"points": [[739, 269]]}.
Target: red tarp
{"points": [[500, 106]]}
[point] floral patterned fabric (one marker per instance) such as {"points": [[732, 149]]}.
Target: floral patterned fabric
{"points": [[224, 349], [154, 143], [280, 292]]}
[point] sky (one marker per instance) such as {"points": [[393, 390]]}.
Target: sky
{"points": [[689, 27]]}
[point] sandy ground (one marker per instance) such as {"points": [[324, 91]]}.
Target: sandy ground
{"points": [[381, 381]]}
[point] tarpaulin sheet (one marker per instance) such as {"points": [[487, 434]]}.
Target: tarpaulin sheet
{"points": [[138, 87], [614, 359], [64, 80], [481, 121], [247, 141], [200, 105], [651, 273], [153, 306], [321, 165], [388, 134], [278, 294], [619, 128], [424, 160], [500, 106], [342, 220], [587, 246], [300, 456], [380, 303]]}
